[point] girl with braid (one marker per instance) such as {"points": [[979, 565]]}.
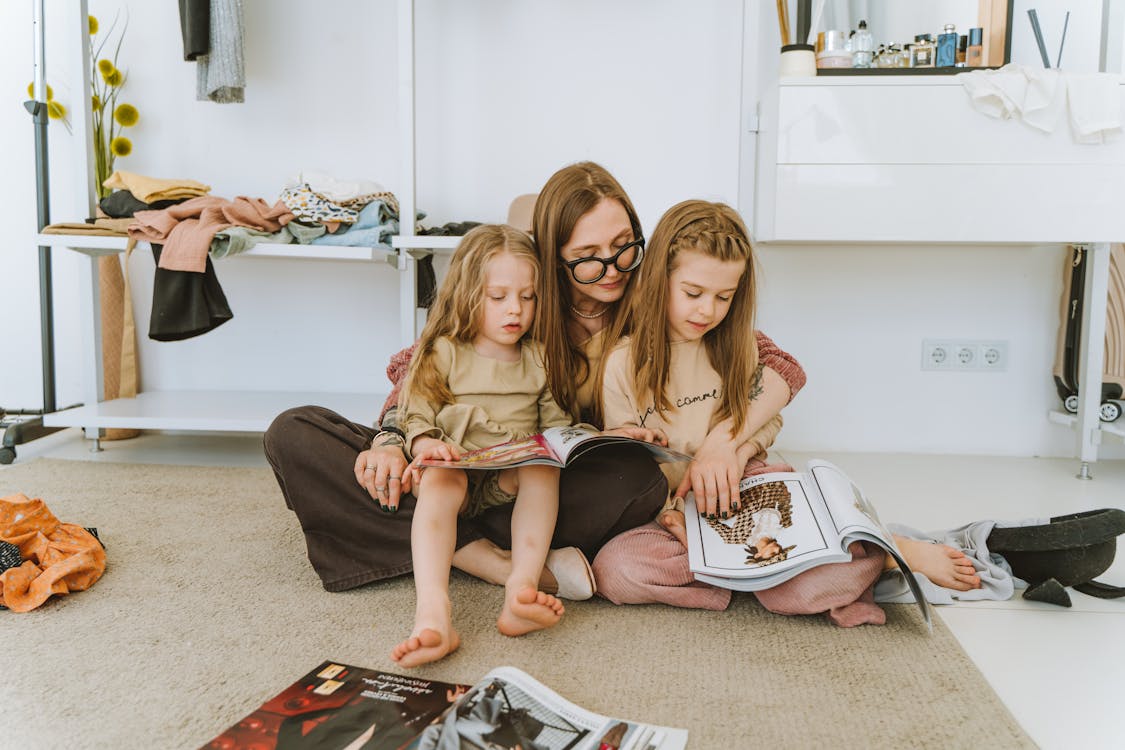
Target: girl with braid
{"points": [[689, 365]]}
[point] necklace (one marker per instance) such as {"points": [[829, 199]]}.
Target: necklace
{"points": [[587, 316]]}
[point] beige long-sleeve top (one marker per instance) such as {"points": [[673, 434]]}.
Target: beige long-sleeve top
{"points": [[694, 388], [493, 401]]}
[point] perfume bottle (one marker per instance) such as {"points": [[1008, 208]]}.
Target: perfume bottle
{"points": [[945, 54], [974, 52], [863, 47], [922, 53], [962, 45]]}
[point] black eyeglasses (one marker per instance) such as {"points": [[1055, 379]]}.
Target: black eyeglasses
{"points": [[592, 269]]}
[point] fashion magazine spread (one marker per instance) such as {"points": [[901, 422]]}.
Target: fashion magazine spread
{"points": [[340, 706], [555, 446], [787, 523]]}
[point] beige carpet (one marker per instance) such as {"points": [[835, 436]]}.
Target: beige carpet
{"points": [[209, 607]]}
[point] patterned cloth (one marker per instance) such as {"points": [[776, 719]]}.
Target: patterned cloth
{"points": [[58, 558]]}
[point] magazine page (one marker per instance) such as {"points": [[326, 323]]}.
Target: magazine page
{"points": [[569, 443], [854, 517], [849, 508], [340, 706], [563, 441], [780, 529], [530, 450], [509, 709]]}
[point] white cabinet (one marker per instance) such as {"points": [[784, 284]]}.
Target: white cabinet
{"points": [[885, 159]]}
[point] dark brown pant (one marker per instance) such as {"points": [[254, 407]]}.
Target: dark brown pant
{"points": [[351, 542]]}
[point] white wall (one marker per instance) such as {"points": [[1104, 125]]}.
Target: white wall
{"points": [[507, 92]]}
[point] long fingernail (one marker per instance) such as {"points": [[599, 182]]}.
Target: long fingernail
{"points": [[382, 507]]}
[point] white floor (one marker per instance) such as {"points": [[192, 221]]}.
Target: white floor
{"points": [[1060, 671]]}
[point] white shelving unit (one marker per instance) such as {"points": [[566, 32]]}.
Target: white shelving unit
{"points": [[246, 411], [196, 410]]}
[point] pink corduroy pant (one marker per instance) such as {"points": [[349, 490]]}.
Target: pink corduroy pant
{"points": [[648, 565]]}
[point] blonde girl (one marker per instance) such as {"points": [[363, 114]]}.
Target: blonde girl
{"points": [[477, 381]]}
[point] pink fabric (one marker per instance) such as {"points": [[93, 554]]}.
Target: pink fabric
{"points": [[843, 591], [187, 228], [396, 373], [648, 565]]}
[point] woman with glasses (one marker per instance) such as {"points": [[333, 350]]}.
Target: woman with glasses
{"points": [[336, 475]]}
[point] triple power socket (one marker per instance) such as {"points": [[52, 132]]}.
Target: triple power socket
{"points": [[964, 354]]}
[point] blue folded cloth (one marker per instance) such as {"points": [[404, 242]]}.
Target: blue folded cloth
{"points": [[374, 227]]}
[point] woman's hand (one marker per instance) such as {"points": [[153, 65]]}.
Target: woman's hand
{"points": [[381, 470], [426, 448], [713, 476], [656, 437]]}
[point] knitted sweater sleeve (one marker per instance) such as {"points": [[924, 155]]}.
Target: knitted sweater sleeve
{"points": [[784, 364], [396, 373]]}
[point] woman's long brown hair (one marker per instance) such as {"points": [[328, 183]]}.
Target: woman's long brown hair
{"points": [[570, 194], [717, 231], [456, 311]]}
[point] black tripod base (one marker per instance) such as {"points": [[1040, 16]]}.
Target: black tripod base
{"points": [[23, 432]]}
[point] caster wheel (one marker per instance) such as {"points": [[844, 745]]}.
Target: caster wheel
{"points": [[1071, 403], [1109, 412], [7, 455]]}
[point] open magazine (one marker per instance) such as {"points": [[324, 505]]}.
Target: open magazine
{"points": [[556, 446], [787, 523], [349, 708]]}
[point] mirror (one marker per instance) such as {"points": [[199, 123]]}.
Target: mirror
{"points": [[897, 22]]}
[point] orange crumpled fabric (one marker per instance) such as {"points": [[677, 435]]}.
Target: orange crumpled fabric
{"points": [[58, 557]]}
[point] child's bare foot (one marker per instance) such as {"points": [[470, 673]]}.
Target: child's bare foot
{"points": [[942, 564], [427, 644], [673, 522], [526, 610]]}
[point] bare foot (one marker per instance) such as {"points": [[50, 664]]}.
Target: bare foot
{"points": [[673, 522], [942, 564], [526, 610], [425, 646]]}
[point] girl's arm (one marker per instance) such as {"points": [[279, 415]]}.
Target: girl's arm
{"points": [[714, 474]]}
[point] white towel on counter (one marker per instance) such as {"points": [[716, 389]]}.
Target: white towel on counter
{"points": [[1038, 96], [1094, 103]]}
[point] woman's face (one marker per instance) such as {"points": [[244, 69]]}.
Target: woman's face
{"points": [[600, 233]]}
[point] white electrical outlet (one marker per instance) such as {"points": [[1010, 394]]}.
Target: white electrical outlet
{"points": [[965, 355], [937, 355]]}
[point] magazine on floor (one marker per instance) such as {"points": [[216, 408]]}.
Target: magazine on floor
{"points": [[787, 523], [346, 707], [555, 446]]}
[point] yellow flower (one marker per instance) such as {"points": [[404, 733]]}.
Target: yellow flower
{"points": [[105, 67], [93, 25], [31, 91], [96, 101], [121, 146], [126, 115], [113, 78], [56, 111]]}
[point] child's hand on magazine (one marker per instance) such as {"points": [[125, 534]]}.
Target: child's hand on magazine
{"points": [[713, 476], [656, 437], [430, 449]]}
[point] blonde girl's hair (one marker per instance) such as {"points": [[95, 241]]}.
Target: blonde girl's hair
{"points": [[716, 231], [570, 194], [456, 312]]}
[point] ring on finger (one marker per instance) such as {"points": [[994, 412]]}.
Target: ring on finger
{"points": [[380, 489], [394, 479], [370, 468]]}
